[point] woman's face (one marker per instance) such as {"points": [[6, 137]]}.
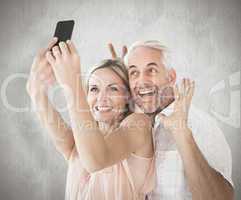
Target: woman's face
{"points": [[107, 96]]}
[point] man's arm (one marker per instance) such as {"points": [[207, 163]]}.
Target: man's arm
{"points": [[204, 181]]}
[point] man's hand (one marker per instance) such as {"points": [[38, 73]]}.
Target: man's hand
{"points": [[65, 63], [113, 52], [41, 74], [178, 119]]}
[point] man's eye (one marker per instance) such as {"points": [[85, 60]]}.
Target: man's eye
{"points": [[153, 70], [133, 73], [93, 89]]}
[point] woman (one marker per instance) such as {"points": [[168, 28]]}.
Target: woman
{"points": [[112, 154]]}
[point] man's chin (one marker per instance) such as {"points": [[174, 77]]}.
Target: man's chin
{"points": [[148, 108]]}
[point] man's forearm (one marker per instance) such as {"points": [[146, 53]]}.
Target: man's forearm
{"points": [[204, 182]]}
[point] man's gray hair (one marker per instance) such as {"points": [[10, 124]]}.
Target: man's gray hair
{"points": [[154, 44]]}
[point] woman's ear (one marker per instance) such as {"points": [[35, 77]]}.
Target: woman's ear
{"points": [[172, 76]]}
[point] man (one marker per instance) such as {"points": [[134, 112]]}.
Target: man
{"points": [[193, 159]]}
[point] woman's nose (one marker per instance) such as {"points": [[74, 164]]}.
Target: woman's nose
{"points": [[102, 97]]}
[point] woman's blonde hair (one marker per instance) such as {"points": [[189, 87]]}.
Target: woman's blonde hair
{"points": [[116, 65]]}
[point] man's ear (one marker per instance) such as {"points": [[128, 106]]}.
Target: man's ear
{"points": [[171, 76]]}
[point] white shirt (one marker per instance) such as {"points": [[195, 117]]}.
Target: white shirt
{"points": [[171, 183]]}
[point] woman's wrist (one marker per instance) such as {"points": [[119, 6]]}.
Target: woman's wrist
{"points": [[73, 92], [40, 100]]}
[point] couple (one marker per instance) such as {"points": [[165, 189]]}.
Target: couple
{"points": [[109, 147]]}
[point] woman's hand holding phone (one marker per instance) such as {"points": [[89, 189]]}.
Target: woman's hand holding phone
{"points": [[65, 62], [42, 71], [41, 74]]}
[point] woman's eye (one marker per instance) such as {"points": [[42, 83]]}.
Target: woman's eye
{"points": [[93, 89], [114, 89]]}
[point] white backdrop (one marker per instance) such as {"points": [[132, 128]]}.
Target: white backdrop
{"points": [[203, 35]]}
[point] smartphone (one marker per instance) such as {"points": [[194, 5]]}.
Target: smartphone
{"points": [[64, 30]]}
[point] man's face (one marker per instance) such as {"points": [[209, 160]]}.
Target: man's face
{"points": [[147, 75]]}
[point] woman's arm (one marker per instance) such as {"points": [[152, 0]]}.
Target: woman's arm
{"points": [[60, 133], [41, 76], [96, 152]]}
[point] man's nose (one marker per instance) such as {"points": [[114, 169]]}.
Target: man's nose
{"points": [[143, 78]]}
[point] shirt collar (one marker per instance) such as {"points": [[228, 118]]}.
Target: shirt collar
{"points": [[168, 110]]}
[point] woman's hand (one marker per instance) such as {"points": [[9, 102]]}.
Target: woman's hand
{"points": [[41, 74], [179, 118], [65, 63]]}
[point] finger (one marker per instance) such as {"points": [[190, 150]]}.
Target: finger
{"points": [[190, 95], [71, 47], [64, 48], [50, 58], [182, 88], [124, 51], [185, 94], [184, 85], [56, 52], [52, 43], [38, 65], [188, 85], [112, 51], [43, 51], [191, 90], [176, 92]]}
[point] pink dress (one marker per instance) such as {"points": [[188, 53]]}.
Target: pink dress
{"points": [[130, 179]]}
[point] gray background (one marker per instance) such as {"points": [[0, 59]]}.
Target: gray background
{"points": [[203, 34]]}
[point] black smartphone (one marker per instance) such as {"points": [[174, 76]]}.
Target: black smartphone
{"points": [[64, 30]]}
